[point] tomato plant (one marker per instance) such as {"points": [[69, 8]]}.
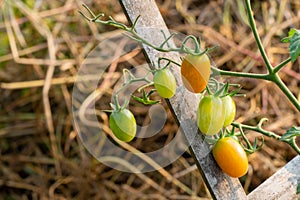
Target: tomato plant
{"points": [[123, 124], [230, 110], [164, 83], [210, 115], [195, 72], [231, 157]]}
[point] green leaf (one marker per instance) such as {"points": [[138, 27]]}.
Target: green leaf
{"points": [[292, 132], [294, 47], [298, 189], [294, 40], [290, 34]]}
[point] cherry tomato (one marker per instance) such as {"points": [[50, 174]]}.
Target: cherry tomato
{"points": [[230, 110], [164, 83], [123, 124], [195, 72], [210, 115], [231, 157]]}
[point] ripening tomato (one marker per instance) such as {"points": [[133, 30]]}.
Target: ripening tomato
{"points": [[230, 110], [195, 72], [231, 157], [164, 83], [123, 124], [210, 115]]}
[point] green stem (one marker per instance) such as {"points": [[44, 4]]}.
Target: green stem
{"points": [[277, 80], [217, 71], [281, 65], [144, 86], [249, 146], [257, 129], [267, 133], [116, 101], [133, 81], [194, 39], [257, 38], [169, 61], [272, 76], [135, 36]]}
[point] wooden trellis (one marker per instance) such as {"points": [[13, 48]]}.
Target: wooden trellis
{"points": [[282, 185]]}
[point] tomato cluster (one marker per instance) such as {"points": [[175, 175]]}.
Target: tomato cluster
{"points": [[215, 112], [195, 73]]}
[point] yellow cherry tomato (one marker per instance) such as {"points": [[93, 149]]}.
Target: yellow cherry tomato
{"points": [[231, 157]]}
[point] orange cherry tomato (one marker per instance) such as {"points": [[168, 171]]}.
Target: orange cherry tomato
{"points": [[195, 72], [231, 157]]}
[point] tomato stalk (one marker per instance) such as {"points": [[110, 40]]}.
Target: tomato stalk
{"points": [[281, 65], [250, 148], [129, 79], [256, 36], [273, 77], [272, 74], [135, 36], [258, 128], [169, 61]]}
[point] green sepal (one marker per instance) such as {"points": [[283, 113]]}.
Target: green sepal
{"points": [[145, 98]]}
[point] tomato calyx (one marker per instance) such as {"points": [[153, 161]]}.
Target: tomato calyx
{"points": [[145, 99]]}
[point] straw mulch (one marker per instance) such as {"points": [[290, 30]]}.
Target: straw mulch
{"points": [[42, 46]]}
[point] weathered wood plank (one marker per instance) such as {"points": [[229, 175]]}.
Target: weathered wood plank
{"points": [[282, 185], [183, 104]]}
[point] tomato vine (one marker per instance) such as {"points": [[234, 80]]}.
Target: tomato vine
{"points": [[272, 73]]}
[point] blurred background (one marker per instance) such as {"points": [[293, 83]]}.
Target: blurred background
{"points": [[42, 46]]}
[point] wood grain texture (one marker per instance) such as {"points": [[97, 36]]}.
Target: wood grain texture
{"points": [[282, 185], [183, 104]]}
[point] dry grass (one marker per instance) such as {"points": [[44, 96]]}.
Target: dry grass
{"points": [[42, 45]]}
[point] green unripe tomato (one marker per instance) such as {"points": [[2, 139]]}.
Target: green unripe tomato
{"points": [[123, 124], [210, 115], [230, 110], [164, 83]]}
